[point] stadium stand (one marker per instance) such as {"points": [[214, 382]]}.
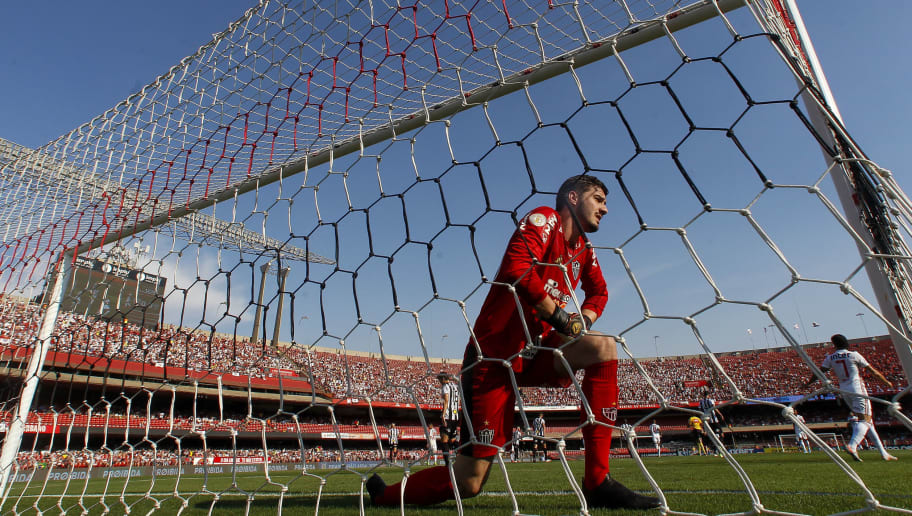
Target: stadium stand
{"points": [[334, 374]]}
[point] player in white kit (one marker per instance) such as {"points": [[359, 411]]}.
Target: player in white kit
{"points": [[433, 434], [848, 365], [656, 432], [801, 436]]}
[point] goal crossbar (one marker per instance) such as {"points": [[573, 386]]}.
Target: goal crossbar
{"points": [[638, 33]]}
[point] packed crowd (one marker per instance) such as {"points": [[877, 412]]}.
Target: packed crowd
{"points": [[84, 458], [75, 420], [121, 458], [761, 374], [176, 347], [340, 374]]}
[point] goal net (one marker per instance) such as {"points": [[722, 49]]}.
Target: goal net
{"points": [[791, 442], [224, 291]]}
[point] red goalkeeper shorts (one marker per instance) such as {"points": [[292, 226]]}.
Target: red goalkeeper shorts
{"points": [[489, 396]]}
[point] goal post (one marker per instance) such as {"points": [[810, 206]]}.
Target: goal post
{"points": [[33, 372], [864, 202], [254, 271], [789, 442]]}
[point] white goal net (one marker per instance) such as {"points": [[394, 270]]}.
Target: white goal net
{"points": [[223, 292], [792, 442]]}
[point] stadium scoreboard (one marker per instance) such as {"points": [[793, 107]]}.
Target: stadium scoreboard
{"points": [[114, 292]]}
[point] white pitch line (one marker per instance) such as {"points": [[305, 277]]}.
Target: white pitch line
{"points": [[495, 494]]}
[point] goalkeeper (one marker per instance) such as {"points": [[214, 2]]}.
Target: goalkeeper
{"points": [[547, 257]]}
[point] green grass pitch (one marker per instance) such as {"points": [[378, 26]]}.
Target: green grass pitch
{"points": [[808, 484]]}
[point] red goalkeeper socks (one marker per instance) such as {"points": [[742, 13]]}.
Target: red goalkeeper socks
{"points": [[601, 389], [427, 487]]}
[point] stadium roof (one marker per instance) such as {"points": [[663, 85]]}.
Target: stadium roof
{"points": [[31, 169]]}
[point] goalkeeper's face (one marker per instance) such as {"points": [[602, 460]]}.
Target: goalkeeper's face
{"points": [[590, 207]]}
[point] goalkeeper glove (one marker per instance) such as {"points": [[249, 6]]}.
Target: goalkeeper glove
{"points": [[570, 325]]}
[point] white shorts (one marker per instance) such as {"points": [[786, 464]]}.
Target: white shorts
{"points": [[858, 404], [656, 439]]}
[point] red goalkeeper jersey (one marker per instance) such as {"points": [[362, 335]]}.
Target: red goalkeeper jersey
{"points": [[530, 265]]}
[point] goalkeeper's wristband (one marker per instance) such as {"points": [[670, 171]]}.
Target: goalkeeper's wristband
{"points": [[559, 319], [588, 321]]}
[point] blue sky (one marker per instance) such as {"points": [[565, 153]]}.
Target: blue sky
{"points": [[68, 62]]}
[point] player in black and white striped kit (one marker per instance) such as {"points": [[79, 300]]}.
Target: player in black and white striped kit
{"points": [[515, 450], [449, 394], [714, 418], [393, 438], [538, 428]]}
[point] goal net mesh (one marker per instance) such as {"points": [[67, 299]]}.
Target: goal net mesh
{"points": [[792, 442], [238, 277]]}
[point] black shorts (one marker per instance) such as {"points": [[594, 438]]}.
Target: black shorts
{"points": [[449, 428], [697, 435]]}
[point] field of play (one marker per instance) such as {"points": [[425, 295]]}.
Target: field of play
{"points": [[797, 483]]}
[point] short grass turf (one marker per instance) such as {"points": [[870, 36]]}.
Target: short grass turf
{"points": [[807, 484]]}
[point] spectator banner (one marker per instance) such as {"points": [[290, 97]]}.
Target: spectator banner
{"points": [[40, 429], [273, 371], [690, 384], [238, 460], [346, 435], [85, 473], [32, 428]]}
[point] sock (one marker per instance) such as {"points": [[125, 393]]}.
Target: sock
{"points": [[859, 429], [427, 487], [873, 433], [601, 389], [447, 449]]}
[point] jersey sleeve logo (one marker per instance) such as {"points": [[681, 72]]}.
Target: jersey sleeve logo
{"points": [[537, 219], [543, 224]]}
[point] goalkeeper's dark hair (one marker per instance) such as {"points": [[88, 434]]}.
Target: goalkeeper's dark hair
{"points": [[579, 184], [839, 341]]}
